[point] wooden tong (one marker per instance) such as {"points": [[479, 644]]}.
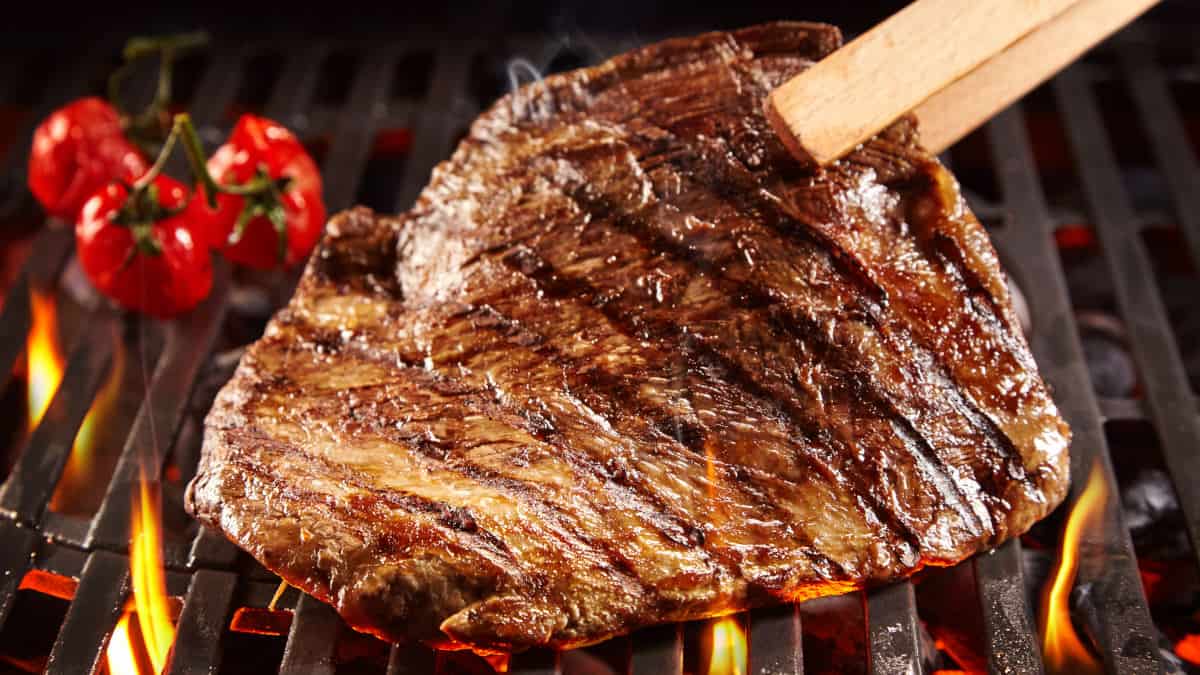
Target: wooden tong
{"points": [[955, 63]]}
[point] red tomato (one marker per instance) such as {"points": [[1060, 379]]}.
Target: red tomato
{"points": [[77, 150], [256, 146], [141, 255]]}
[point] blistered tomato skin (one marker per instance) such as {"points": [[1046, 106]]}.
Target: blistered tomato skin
{"points": [[78, 150], [162, 284], [259, 145]]}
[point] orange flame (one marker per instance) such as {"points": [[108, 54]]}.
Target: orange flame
{"points": [[1062, 648], [728, 648], [42, 352], [149, 590], [122, 659]]}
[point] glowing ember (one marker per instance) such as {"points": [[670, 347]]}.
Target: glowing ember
{"points": [[1063, 650], [728, 648], [149, 590], [1188, 648], [44, 358], [498, 662]]}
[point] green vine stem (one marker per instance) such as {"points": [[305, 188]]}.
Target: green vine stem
{"points": [[197, 160], [150, 123]]}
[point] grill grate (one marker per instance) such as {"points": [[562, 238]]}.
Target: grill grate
{"points": [[212, 575]]}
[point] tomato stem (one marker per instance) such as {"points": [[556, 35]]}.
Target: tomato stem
{"points": [[149, 124], [197, 160], [159, 163]]}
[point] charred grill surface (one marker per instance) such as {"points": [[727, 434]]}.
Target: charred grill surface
{"points": [[627, 362]]}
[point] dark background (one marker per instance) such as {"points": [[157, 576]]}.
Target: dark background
{"points": [[41, 20]]}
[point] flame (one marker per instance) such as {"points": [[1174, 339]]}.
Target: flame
{"points": [[44, 357], [120, 654], [78, 474], [728, 648], [149, 583], [1062, 648], [149, 590]]}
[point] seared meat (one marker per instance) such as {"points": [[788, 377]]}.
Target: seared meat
{"points": [[627, 362]]}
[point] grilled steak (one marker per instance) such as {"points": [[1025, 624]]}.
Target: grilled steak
{"points": [[628, 362]]}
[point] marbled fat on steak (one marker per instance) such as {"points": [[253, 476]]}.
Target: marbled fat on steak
{"points": [[627, 362]]}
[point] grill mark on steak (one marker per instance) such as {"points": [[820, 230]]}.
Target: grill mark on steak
{"points": [[651, 330], [743, 191], [456, 463], [877, 316], [807, 332], [556, 284], [973, 287], [445, 515], [483, 403], [691, 530], [573, 537], [668, 524], [611, 389], [684, 533], [737, 183], [588, 377], [602, 212]]}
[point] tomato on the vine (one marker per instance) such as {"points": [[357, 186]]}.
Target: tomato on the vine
{"points": [[78, 150], [139, 250], [276, 226]]}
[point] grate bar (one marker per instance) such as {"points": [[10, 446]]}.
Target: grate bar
{"points": [[535, 662], [46, 257], [434, 128], [19, 545], [776, 642], [1168, 140], [217, 88], [347, 160], [93, 613], [293, 90], [211, 549], [189, 344], [1059, 353], [312, 639], [411, 659], [1009, 629], [197, 649], [657, 651], [1164, 377], [31, 484], [894, 645]]}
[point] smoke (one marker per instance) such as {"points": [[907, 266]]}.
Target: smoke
{"points": [[521, 71], [531, 99]]}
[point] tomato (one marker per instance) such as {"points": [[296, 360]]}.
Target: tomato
{"points": [[259, 149], [77, 150], [141, 252]]}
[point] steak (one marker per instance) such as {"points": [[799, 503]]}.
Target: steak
{"points": [[626, 361]]}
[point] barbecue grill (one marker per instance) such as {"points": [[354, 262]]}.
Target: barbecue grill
{"points": [[379, 115]]}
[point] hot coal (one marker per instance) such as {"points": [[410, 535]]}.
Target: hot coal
{"points": [[1105, 348], [1152, 513]]}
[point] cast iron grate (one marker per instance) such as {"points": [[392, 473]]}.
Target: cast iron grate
{"points": [[456, 79]]}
